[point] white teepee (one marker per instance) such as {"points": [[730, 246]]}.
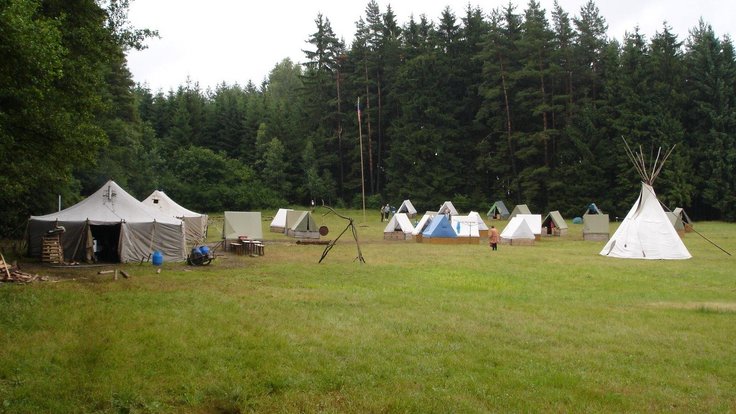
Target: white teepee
{"points": [[646, 232]]}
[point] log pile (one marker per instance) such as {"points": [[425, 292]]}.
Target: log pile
{"points": [[10, 273]]}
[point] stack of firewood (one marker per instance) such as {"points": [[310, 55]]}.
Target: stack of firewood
{"points": [[10, 273]]}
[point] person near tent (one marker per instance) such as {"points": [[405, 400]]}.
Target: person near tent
{"points": [[493, 238], [383, 213]]}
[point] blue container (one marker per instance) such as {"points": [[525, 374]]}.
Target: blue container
{"points": [[157, 259], [205, 250]]}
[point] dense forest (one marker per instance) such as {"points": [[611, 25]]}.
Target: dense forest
{"points": [[522, 105]]}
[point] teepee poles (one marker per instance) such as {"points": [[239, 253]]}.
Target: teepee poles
{"points": [[640, 163]]}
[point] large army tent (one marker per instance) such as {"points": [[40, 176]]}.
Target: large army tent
{"points": [[238, 224], [278, 224], [196, 223], [112, 226], [518, 233], [498, 211], [398, 228], [554, 224], [519, 209], [408, 208]]}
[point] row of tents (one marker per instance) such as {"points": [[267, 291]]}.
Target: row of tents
{"points": [[113, 226]]}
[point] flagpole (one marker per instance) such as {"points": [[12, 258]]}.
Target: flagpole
{"points": [[362, 177]]}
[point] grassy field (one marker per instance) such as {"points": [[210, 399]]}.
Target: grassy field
{"points": [[418, 328]]}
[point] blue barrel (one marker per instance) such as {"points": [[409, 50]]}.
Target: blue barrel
{"points": [[157, 259], [205, 250]]}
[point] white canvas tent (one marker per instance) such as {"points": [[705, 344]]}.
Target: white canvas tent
{"points": [[398, 228], [196, 223], [517, 232], [466, 226], [238, 224], [447, 207], [120, 227], [408, 208], [423, 223], [482, 226], [278, 224], [646, 232], [535, 223]]}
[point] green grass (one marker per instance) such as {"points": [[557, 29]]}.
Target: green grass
{"points": [[418, 328]]}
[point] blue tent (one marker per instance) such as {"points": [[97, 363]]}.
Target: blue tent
{"points": [[439, 227]]}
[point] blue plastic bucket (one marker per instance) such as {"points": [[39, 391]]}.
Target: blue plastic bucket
{"points": [[157, 259]]}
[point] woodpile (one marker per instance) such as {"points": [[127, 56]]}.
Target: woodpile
{"points": [[10, 273]]}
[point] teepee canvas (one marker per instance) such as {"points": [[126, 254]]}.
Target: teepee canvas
{"points": [[646, 232]]}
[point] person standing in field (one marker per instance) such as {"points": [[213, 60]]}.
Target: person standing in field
{"points": [[493, 238]]}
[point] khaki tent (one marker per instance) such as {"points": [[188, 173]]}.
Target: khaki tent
{"points": [[237, 224], [554, 224], [519, 209], [196, 223], [596, 227], [301, 225], [498, 211], [111, 226], [680, 220]]}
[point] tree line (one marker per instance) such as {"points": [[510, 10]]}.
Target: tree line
{"points": [[520, 105]]}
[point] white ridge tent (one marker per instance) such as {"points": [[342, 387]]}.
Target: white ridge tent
{"points": [[398, 228], [466, 226], [535, 223], [423, 223], [196, 223], [408, 208], [447, 207], [120, 227], [278, 224], [518, 232], [646, 232], [482, 226]]}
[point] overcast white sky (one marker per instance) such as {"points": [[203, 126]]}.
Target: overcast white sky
{"points": [[236, 41]]}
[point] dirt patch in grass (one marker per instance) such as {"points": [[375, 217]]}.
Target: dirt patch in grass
{"points": [[717, 307]]}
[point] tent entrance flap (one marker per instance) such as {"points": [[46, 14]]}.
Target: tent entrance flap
{"points": [[106, 242]]}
